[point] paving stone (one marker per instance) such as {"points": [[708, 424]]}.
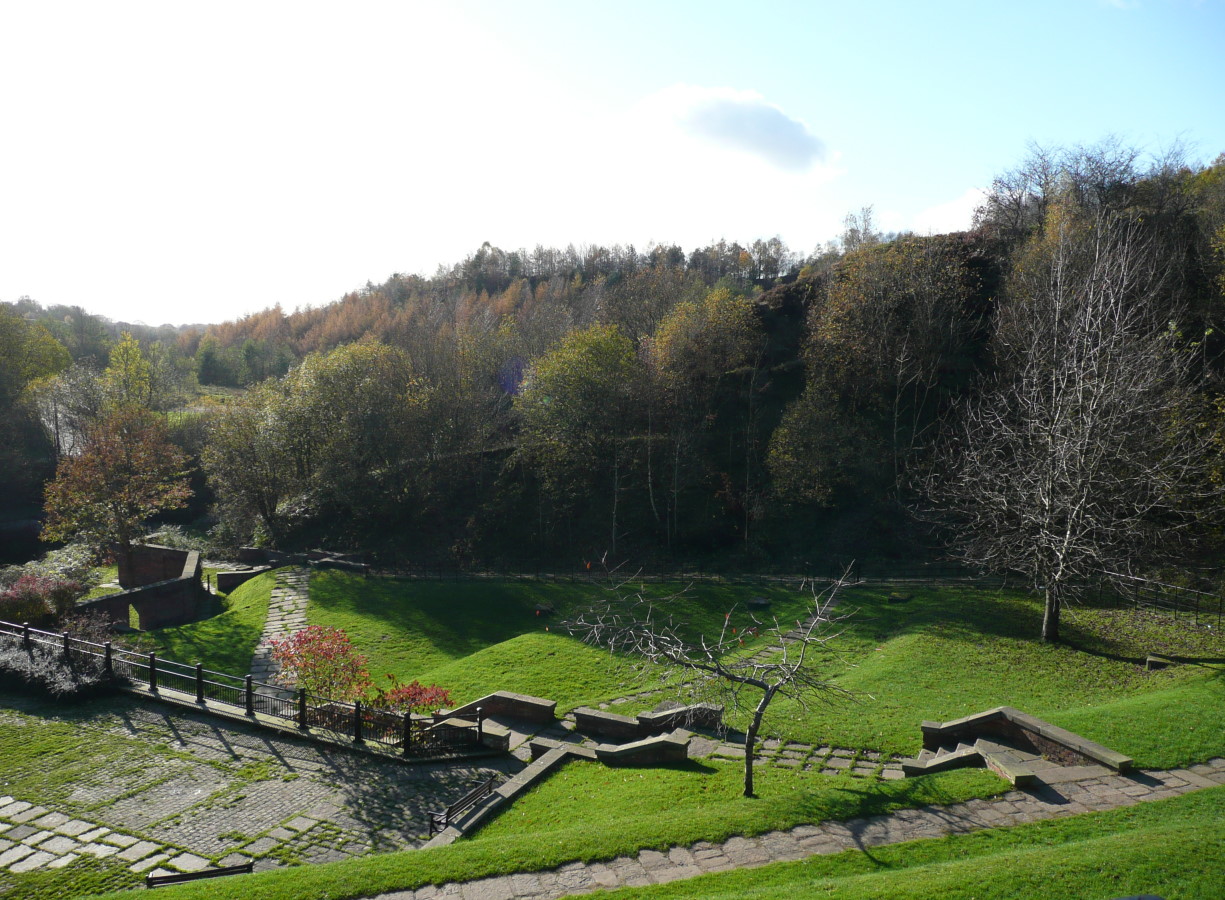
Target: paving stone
{"points": [[66, 860], [58, 845], [137, 851], [13, 854], [838, 762], [120, 840], [234, 859], [5, 844], [189, 862], [282, 834], [20, 832], [301, 823], [149, 863], [74, 827], [34, 861], [50, 820], [28, 815], [99, 850], [263, 845], [92, 835], [11, 809]]}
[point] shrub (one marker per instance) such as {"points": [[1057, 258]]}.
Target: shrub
{"points": [[38, 599], [324, 661], [46, 672]]}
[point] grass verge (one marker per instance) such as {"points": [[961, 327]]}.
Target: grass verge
{"points": [[1171, 847]]}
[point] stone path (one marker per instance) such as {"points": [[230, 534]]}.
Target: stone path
{"points": [[179, 791], [286, 614], [655, 867]]}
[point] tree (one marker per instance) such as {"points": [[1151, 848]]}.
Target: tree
{"points": [[716, 665], [579, 405], [128, 379], [126, 472], [1081, 458]]}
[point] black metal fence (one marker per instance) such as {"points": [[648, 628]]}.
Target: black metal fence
{"points": [[409, 734], [1200, 606]]}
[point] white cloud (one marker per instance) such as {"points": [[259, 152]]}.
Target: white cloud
{"points": [[741, 121]]}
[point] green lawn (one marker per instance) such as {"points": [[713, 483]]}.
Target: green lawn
{"points": [[1172, 848], [478, 636], [703, 800], [225, 642], [946, 652]]}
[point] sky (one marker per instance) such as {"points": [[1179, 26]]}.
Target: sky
{"points": [[178, 162]]}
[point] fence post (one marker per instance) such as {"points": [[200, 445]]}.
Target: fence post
{"points": [[67, 655], [408, 733], [25, 635], [153, 672], [357, 723], [199, 683], [107, 665], [248, 696], [480, 725], [302, 709]]}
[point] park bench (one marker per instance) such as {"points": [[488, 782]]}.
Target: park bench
{"points": [[154, 881], [441, 820]]}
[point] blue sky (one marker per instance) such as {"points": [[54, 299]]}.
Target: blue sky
{"points": [[193, 162]]}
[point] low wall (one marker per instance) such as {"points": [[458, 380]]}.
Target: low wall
{"points": [[604, 724], [150, 563], [175, 600], [506, 703], [227, 581]]}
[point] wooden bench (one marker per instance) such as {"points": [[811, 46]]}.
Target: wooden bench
{"points": [[441, 820], [154, 881]]}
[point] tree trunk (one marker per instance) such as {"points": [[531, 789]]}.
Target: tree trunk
{"points": [[1050, 615], [750, 739]]}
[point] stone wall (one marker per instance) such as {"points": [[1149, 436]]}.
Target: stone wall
{"points": [[173, 600], [149, 564]]}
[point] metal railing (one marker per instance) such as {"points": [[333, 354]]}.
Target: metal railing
{"points": [[358, 723], [1204, 608]]}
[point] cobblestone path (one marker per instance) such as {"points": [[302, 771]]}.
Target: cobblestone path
{"points": [[169, 790], [655, 867], [286, 614]]}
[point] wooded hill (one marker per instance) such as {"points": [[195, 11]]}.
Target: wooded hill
{"points": [[733, 404]]}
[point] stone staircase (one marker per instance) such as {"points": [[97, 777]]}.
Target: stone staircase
{"points": [[286, 614], [1016, 746]]}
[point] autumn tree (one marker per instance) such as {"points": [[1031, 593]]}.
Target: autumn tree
{"points": [[126, 473], [1080, 459]]}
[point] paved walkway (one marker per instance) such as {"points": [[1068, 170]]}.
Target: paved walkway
{"points": [[286, 614], [655, 867], [169, 790]]}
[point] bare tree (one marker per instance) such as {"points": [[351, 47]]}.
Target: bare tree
{"points": [[716, 666], [1082, 457]]}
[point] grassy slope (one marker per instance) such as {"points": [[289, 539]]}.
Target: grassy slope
{"points": [[1172, 848], [682, 804], [945, 653], [478, 636], [226, 642]]}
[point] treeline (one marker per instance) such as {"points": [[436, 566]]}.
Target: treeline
{"points": [[732, 404]]}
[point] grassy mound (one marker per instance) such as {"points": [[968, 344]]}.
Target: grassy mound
{"points": [[225, 642]]}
